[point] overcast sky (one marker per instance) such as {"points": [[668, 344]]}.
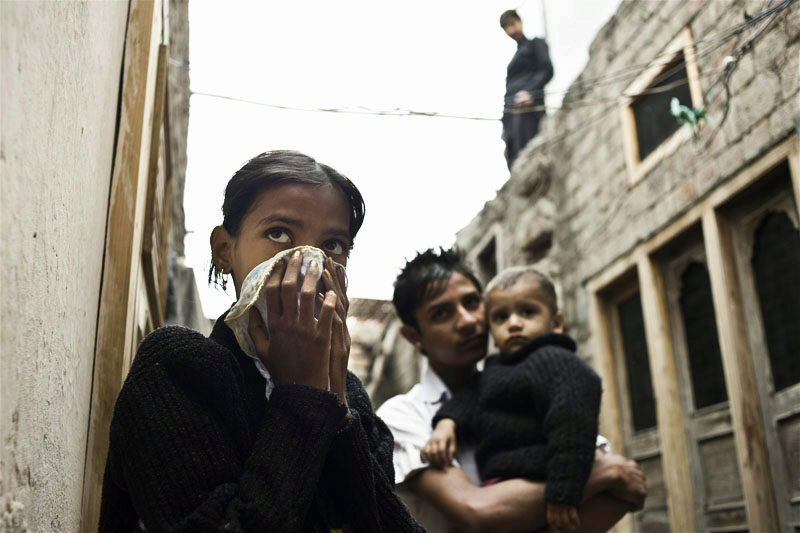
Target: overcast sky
{"points": [[422, 178]]}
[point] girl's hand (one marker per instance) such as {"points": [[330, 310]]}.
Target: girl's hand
{"points": [[334, 282], [298, 346], [441, 447]]}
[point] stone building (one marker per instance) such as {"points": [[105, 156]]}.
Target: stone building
{"points": [[676, 252], [94, 105]]}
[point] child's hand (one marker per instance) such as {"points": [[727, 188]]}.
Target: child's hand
{"points": [[441, 447], [562, 517]]}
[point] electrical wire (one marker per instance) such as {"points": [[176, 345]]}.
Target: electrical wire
{"points": [[702, 48]]}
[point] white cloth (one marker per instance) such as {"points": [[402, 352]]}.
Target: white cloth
{"points": [[409, 417], [252, 295]]}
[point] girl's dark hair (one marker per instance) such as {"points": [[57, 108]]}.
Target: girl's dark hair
{"points": [[274, 168], [425, 277]]}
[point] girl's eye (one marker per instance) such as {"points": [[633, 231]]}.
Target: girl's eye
{"points": [[528, 311], [334, 246], [279, 235]]}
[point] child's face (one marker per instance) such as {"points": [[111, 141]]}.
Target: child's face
{"points": [[519, 313]]}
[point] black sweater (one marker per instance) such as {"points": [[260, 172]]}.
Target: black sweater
{"points": [[533, 414], [529, 70], [195, 446]]}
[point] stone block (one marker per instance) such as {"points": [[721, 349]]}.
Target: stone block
{"points": [[730, 160], [753, 103], [785, 117], [790, 21], [705, 177], [756, 139], [707, 20], [790, 72], [769, 48], [743, 73]]}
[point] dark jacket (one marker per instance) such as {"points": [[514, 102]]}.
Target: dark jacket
{"points": [[529, 70], [195, 446], [533, 414]]}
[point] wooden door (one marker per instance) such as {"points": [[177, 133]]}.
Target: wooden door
{"points": [[637, 403], [718, 497], [766, 236]]}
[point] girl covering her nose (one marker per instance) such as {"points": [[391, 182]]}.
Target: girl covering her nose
{"points": [[197, 445]]}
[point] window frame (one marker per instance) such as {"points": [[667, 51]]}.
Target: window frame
{"points": [[637, 167]]}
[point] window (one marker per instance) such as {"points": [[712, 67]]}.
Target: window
{"points": [[776, 268], [702, 344], [485, 255], [637, 364], [649, 129], [651, 111], [487, 261]]}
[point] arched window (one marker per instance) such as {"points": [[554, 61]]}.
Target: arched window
{"points": [[776, 266], [702, 342]]}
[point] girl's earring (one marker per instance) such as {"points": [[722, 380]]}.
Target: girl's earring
{"points": [[224, 279]]}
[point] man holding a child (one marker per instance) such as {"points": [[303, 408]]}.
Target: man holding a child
{"points": [[444, 313]]}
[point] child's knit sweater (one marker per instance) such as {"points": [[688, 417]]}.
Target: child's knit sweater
{"points": [[533, 414]]}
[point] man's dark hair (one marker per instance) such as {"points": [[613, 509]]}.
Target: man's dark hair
{"points": [[508, 16], [425, 277]]}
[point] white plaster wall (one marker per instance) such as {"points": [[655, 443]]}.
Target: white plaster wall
{"points": [[59, 88]]}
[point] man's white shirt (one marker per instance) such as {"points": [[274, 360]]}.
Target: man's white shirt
{"points": [[409, 417]]}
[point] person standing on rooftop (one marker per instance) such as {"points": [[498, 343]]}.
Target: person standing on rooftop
{"points": [[528, 72]]}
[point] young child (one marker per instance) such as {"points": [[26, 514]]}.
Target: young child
{"points": [[533, 410]]}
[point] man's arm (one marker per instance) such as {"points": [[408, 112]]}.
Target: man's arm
{"points": [[544, 72], [615, 487], [512, 505]]}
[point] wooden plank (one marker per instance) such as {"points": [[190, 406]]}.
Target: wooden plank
{"points": [[629, 140], [751, 446], [794, 170], [154, 209], [610, 416], [674, 452], [123, 244]]}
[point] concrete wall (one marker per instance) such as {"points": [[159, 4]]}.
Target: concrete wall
{"points": [[60, 86]]}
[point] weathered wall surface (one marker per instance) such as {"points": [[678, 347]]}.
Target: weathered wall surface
{"points": [[572, 178], [385, 362], [183, 299], [60, 87]]}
